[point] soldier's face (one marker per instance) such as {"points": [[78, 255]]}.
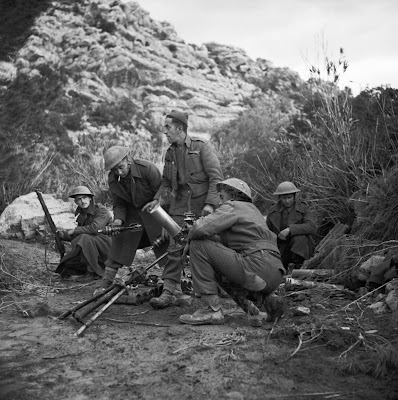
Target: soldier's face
{"points": [[122, 169], [224, 196], [287, 199], [83, 201], [173, 132]]}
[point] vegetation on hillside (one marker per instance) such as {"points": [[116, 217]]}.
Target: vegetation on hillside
{"points": [[339, 149]]}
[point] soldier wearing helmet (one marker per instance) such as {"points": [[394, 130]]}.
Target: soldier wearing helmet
{"points": [[294, 224], [190, 175], [245, 255], [132, 184], [89, 250]]}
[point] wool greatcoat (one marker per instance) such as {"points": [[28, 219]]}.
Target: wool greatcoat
{"points": [[189, 183], [302, 226], [90, 247], [144, 182], [247, 255]]}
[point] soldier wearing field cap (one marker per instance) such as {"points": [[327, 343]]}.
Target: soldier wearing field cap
{"points": [[89, 248], [132, 183], [246, 255], [190, 175], [293, 222]]}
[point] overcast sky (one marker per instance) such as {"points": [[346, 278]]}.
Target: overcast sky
{"points": [[293, 33]]}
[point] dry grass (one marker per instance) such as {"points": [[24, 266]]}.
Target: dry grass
{"points": [[375, 359]]}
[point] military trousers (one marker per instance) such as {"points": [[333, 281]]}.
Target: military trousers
{"points": [[209, 258], [181, 204]]}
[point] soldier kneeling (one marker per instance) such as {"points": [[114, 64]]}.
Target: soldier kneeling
{"points": [[247, 255]]}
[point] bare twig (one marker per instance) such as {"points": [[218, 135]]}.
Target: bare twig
{"points": [[362, 297], [344, 353], [137, 322]]}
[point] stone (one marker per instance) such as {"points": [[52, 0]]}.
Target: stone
{"points": [[379, 307], [392, 300], [392, 285], [24, 216], [301, 311], [365, 269]]}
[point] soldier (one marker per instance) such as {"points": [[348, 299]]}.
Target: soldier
{"points": [[190, 175], [246, 256], [132, 183], [293, 222], [89, 248]]}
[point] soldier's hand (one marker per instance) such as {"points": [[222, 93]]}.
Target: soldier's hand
{"points": [[60, 233], [185, 252], [164, 235], [149, 206], [71, 232], [115, 223], [284, 234], [207, 209]]}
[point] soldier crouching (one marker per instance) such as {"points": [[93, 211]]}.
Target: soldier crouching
{"points": [[247, 255]]}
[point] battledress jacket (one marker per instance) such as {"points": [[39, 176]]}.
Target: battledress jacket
{"points": [[203, 172], [301, 221], [94, 246], [241, 227], [145, 182]]}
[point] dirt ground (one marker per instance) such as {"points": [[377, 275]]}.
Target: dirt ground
{"points": [[136, 352]]}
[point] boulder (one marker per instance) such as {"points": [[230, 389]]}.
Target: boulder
{"points": [[379, 307], [392, 300], [365, 269], [25, 216]]}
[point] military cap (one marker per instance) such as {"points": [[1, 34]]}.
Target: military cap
{"points": [[180, 116]]}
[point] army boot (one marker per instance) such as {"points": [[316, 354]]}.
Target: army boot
{"points": [[183, 300], [167, 297], [210, 314], [274, 305], [107, 280]]}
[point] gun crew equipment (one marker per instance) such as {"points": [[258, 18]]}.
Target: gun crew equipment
{"points": [[58, 241], [179, 234], [110, 296], [112, 230]]}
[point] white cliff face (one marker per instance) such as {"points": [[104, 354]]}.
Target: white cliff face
{"points": [[110, 50], [24, 217]]}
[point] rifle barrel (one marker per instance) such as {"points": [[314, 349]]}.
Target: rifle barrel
{"points": [[58, 240]]}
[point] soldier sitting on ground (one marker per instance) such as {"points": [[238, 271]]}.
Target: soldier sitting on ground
{"points": [[247, 255], [294, 224], [89, 248]]}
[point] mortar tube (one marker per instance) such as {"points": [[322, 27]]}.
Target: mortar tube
{"points": [[165, 220]]}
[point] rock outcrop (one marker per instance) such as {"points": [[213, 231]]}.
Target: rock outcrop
{"points": [[108, 50], [24, 217]]}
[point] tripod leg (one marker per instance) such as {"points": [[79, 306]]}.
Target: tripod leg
{"points": [[81, 305], [95, 316]]}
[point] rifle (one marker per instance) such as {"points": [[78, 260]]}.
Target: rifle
{"points": [[58, 240]]}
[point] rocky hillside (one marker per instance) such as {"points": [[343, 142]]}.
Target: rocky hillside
{"points": [[108, 50], [79, 76]]}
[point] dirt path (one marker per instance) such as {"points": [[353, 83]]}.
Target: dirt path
{"points": [[125, 355]]}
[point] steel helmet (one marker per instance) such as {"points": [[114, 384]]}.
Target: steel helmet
{"points": [[236, 184], [286, 188], [81, 190], [114, 155]]}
